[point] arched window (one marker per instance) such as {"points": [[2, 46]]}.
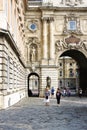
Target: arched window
{"points": [[60, 83]]}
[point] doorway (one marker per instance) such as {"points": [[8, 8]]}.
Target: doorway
{"points": [[33, 85]]}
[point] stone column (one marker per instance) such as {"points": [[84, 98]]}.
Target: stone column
{"points": [[45, 43], [52, 45]]}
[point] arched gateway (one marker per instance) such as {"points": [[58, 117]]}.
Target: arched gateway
{"points": [[33, 84], [82, 62], [76, 49]]}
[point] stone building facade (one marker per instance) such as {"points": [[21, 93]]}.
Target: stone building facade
{"points": [[68, 74], [12, 56], [55, 28], [34, 34]]}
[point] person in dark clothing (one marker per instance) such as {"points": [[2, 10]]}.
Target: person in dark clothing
{"points": [[58, 95], [80, 92], [52, 92]]}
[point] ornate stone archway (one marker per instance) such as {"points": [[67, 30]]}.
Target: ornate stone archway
{"points": [[72, 46], [71, 42]]}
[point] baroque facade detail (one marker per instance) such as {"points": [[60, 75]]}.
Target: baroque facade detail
{"points": [[71, 2], [34, 36], [33, 25], [72, 25], [71, 42], [33, 48]]}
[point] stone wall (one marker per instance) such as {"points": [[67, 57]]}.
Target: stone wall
{"points": [[12, 75]]}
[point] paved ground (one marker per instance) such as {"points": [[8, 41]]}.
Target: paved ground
{"points": [[32, 114]]}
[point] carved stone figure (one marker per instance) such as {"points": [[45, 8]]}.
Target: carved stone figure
{"points": [[33, 54], [60, 45]]}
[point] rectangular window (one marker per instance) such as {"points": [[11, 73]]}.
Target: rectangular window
{"points": [[72, 25], [8, 72], [60, 73], [60, 64], [71, 74]]}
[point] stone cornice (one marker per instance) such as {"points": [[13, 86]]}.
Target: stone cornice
{"points": [[71, 8], [43, 66], [57, 8]]}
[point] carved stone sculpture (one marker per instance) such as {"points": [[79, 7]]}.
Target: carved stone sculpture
{"points": [[33, 54]]}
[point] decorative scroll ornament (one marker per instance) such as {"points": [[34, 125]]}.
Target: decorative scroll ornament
{"points": [[71, 42], [60, 45]]}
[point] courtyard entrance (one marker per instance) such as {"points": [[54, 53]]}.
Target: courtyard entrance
{"points": [[80, 58], [33, 85]]}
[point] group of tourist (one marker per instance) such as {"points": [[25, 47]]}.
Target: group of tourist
{"points": [[58, 94], [66, 92], [48, 92]]}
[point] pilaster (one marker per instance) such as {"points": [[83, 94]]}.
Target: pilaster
{"points": [[45, 42], [52, 45]]}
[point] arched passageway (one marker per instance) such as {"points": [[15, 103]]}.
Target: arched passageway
{"points": [[33, 85], [82, 61]]}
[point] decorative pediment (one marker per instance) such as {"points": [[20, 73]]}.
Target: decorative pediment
{"points": [[32, 40], [72, 39]]}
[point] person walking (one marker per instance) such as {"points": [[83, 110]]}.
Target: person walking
{"points": [[47, 94], [80, 92], [64, 92], [52, 92], [58, 96]]}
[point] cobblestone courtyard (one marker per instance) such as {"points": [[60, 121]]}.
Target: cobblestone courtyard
{"points": [[32, 114]]}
